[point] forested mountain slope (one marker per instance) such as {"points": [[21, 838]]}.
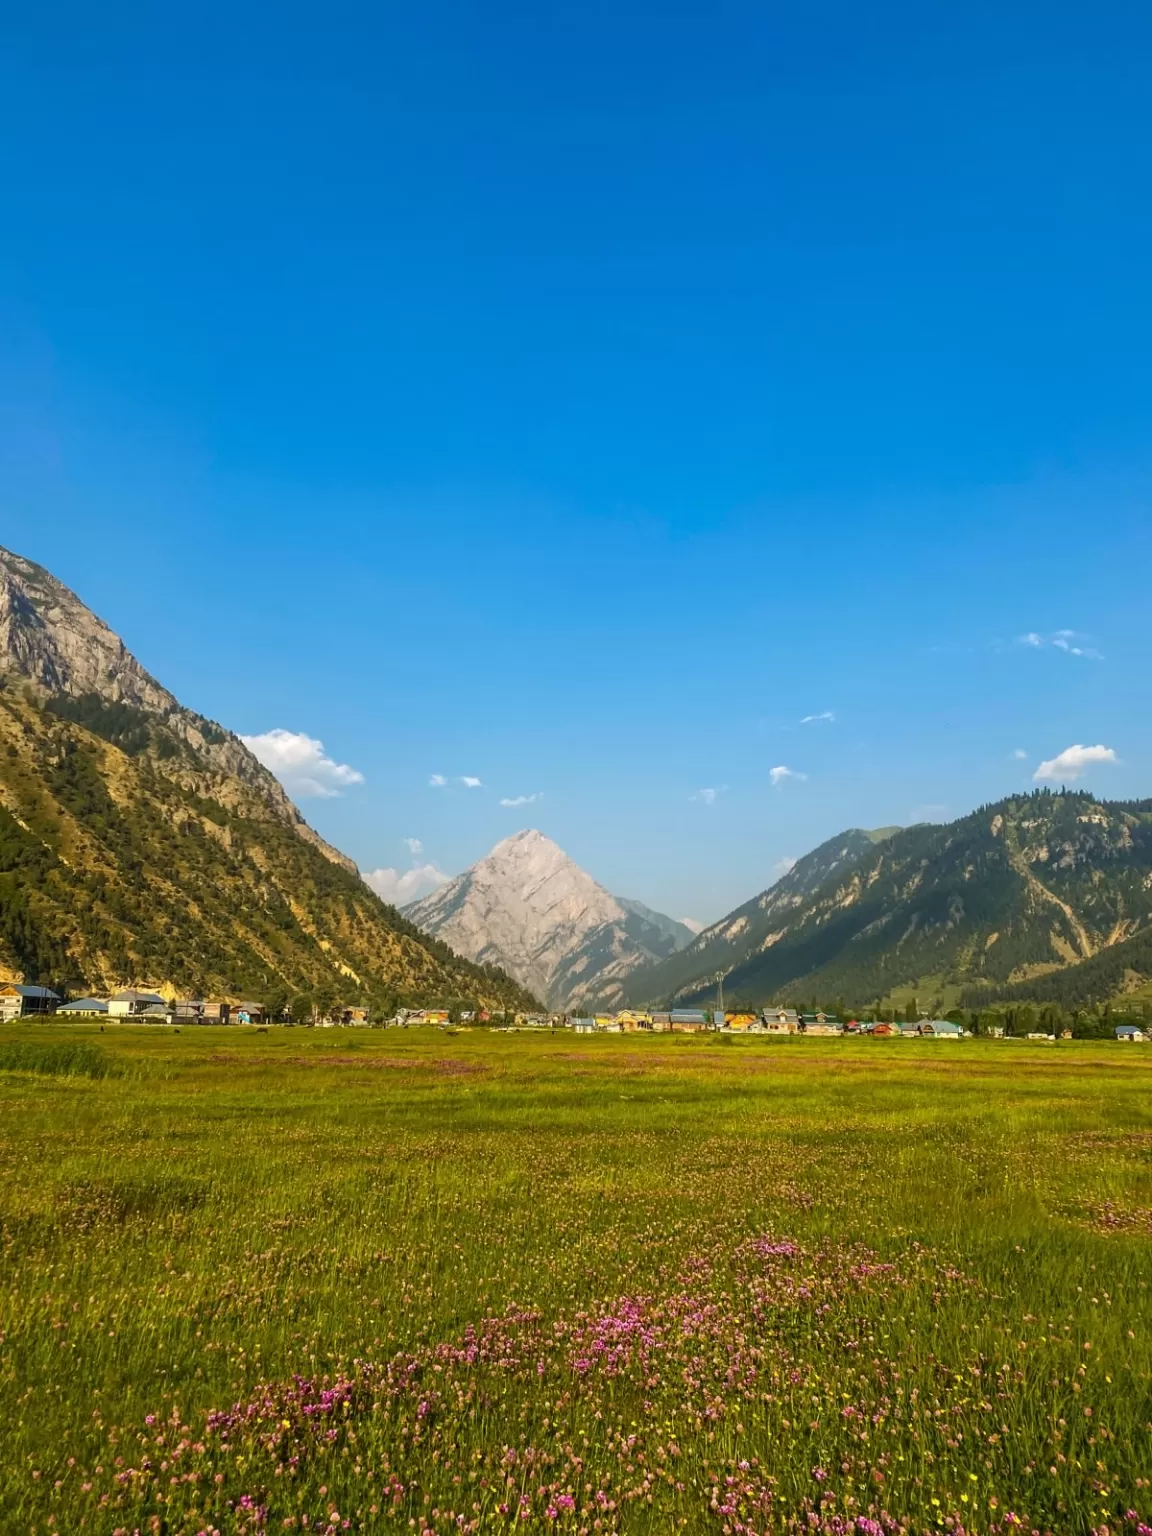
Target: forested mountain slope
{"points": [[1014, 892], [142, 844], [739, 937]]}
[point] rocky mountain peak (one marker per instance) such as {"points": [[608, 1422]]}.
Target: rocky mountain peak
{"points": [[529, 908], [55, 644]]}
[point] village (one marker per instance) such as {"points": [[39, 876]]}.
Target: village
{"points": [[135, 1005]]}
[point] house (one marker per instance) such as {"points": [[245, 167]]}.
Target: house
{"points": [[629, 1020], [820, 1024], [740, 1020], [18, 1001], [187, 1010], [887, 1031], [687, 1021], [249, 1013], [584, 1026], [661, 1023], [940, 1029], [1130, 1033], [781, 1021], [133, 1004], [360, 1016], [84, 1008]]}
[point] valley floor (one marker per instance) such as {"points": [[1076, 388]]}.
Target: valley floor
{"points": [[348, 1280]]}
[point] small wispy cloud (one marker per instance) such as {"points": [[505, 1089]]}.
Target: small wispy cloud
{"points": [[825, 714], [301, 764], [778, 775], [708, 796], [1072, 763], [437, 781], [414, 846], [514, 800], [1070, 641], [1018, 754], [469, 782], [783, 866]]}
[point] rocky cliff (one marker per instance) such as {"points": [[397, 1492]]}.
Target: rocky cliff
{"points": [[59, 647]]}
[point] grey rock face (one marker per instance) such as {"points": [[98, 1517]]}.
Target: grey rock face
{"points": [[530, 909], [51, 641]]}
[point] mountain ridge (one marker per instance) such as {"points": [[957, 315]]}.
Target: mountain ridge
{"points": [[52, 639], [142, 844], [995, 901]]}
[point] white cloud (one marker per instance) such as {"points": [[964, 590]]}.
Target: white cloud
{"points": [[1061, 640], [783, 866], [1072, 762], [708, 796], [1018, 754], [437, 781], [400, 886], [691, 924], [414, 846], [514, 800], [777, 775], [469, 782], [301, 764], [825, 714]]}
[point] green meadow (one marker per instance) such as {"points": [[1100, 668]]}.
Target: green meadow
{"points": [[329, 1280]]}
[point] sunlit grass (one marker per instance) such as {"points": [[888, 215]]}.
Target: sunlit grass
{"points": [[680, 1266]]}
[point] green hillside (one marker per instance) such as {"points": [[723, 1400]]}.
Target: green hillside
{"points": [[127, 857], [735, 941], [1000, 902], [1121, 972]]}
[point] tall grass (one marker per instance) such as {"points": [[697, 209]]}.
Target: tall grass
{"points": [[55, 1058], [574, 1284]]}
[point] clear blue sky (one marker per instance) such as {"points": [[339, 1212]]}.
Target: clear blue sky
{"points": [[576, 397]]}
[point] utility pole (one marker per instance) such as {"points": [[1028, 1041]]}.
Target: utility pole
{"points": [[720, 985]]}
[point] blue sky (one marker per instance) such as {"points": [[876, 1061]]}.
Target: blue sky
{"points": [[575, 398]]}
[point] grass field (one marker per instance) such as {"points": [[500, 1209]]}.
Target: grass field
{"points": [[347, 1280]]}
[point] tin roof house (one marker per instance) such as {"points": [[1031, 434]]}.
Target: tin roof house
{"points": [[17, 1000], [134, 1004]]}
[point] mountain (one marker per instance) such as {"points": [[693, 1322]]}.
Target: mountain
{"points": [[1016, 896], [1110, 975], [141, 843], [737, 938], [528, 908]]}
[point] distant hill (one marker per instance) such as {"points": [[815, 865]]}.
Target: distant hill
{"points": [[1019, 898], [141, 843], [531, 909]]}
